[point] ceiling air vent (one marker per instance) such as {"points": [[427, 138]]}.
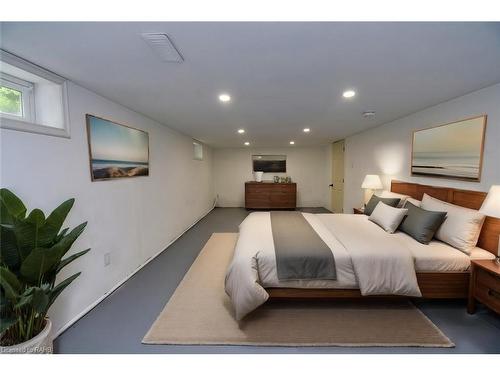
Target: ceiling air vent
{"points": [[163, 47]]}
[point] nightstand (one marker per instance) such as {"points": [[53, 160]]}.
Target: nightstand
{"points": [[359, 211], [484, 285]]}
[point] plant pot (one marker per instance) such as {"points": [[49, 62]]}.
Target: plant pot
{"points": [[40, 344]]}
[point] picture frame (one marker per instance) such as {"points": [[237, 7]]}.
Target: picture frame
{"points": [[453, 150], [116, 151]]}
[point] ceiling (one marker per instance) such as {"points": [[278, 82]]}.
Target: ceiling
{"points": [[282, 76]]}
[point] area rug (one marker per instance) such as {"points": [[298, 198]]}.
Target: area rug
{"points": [[200, 313]]}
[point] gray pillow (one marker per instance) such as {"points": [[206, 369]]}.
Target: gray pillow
{"points": [[421, 224], [372, 203]]}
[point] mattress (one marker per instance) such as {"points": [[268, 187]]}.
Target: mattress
{"points": [[435, 257]]}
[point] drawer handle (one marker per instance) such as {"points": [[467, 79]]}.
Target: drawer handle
{"points": [[492, 293]]}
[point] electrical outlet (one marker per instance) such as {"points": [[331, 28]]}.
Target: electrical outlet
{"points": [[107, 259]]}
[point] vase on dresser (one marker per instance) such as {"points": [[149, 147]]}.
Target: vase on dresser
{"points": [[258, 176]]}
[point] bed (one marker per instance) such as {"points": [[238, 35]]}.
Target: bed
{"points": [[436, 270]]}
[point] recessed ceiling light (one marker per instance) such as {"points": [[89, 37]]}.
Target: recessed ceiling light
{"points": [[247, 143], [292, 142], [349, 93], [307, 130], [241, 131], [224, 98]]}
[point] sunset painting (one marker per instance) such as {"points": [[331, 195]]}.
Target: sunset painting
{"points": [[116, 151], [453, 150]]}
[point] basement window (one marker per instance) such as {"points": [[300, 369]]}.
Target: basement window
{"points": [[16, 98], [32, 99], [198, 150]]}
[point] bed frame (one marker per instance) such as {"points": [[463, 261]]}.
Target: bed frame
{"points": [[432, 284]]}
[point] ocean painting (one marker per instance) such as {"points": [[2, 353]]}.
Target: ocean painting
{"points": [[452, 150], [116, 151]]}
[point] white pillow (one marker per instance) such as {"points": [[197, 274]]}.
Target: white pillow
{"points": [[462, 226], [390, 194], [413, 201], [388, 217]]}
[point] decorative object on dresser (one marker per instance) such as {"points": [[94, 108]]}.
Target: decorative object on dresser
{"points": [[484, 285], [270, 195], [370, 183], [258, 176], [453, 150], [491, 207]]}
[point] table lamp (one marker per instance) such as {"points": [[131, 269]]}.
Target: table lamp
{"points": [[370, 183], [491, 207]]}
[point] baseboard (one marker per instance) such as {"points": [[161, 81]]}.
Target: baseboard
{"points": [[100, 299]]}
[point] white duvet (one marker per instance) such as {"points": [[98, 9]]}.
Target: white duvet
{"points": [[366, 257]]}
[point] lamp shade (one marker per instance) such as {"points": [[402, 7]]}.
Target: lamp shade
{"points": [[491, 205], [372, 181]]}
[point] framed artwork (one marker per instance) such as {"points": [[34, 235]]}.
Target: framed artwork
{"points": [[453, 150], [269, 163], [116, 151]]}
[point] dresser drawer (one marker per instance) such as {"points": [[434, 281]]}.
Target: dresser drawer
{"points": [[258, 190], [270, 195], [487, 289]]}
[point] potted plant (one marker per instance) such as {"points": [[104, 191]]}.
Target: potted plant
{"points": [[32, 253]]}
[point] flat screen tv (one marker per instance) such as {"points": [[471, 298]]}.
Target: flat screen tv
{"points": [[269, 163]]}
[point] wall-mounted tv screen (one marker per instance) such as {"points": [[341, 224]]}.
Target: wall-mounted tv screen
{"points": [[269, 163]]}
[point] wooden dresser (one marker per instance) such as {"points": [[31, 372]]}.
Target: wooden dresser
{"points": [[270, 195]]}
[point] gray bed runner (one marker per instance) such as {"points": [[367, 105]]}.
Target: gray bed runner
{"points": [[300, 253]]}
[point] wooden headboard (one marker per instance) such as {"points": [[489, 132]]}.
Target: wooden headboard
{"points": [[488, 239]]}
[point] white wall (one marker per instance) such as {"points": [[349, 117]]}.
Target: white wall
{"points": [[385, 150], [133, 219], [308, 167]]}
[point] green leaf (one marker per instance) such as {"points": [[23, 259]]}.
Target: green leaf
{"points": [[26, 233], [9, 283], [10, 207], [61, 235], [60, 287], [25, 299], [54, 222], [38, 262], [40, 302], [41, 260], [36, 298], [36, 217], [9, 253], [71, 258], [6, 323], [63, 246]]}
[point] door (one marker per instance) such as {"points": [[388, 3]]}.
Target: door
{"points": [[337, 185]]}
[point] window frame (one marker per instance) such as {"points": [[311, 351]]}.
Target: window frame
{"points": [[27, 90], [12, 123], [200, 145]]}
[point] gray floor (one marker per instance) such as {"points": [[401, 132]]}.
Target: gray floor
{"points": [[118, 324]]}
